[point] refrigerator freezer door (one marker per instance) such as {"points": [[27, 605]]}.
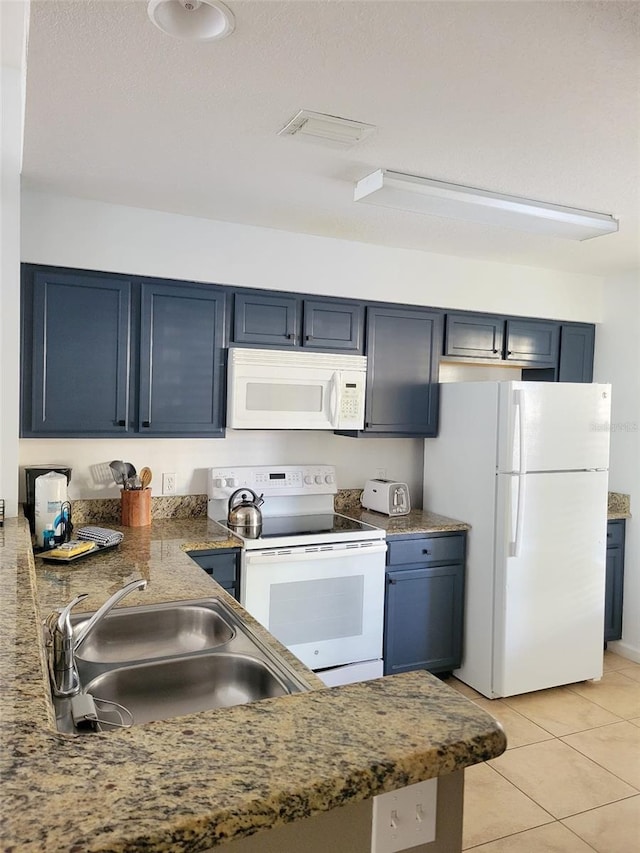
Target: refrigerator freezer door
{"points": [[549, 598], [553, 426]]}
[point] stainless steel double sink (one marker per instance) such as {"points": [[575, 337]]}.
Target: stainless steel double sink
{"points": [[166, 660]]}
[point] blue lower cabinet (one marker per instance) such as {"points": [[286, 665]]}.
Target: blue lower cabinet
{"points": [[614, 587], [424, 606], [223, 564]]}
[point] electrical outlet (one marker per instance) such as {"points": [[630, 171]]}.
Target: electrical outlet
{"points": [[404, 818], [381, 473], [168, 484]]}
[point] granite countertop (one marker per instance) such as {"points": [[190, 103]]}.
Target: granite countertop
{"points": [[200, 780]]}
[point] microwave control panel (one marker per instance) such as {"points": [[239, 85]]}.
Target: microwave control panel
{"points": [[272, 480], [351, 415]]}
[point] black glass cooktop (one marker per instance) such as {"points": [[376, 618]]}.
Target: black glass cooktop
{"points": [[308, 525]]}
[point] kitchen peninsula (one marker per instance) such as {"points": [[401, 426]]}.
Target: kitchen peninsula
{"points": [[290, 765]]}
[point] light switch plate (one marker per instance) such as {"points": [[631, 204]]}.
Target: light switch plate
{"points": [[404, 818]]}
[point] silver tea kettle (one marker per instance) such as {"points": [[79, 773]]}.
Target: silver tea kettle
{"points": [[244, 516]]}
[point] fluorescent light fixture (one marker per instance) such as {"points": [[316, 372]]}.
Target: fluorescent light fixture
{"points": [[192, 20], [454, 201], [327, 129]]}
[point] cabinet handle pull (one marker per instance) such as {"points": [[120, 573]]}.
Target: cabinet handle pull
{"points": [[426, 551], [121, 423], [509, 352], [608, 536], [391, 580], [309, 337], [495, 350], [146, 423], [291, 336]]}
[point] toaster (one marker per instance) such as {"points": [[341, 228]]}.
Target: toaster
{"points": [[386, 496]]}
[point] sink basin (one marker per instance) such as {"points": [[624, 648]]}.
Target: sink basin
{"points": [[143, 633], [165, 660], [171, 688]]}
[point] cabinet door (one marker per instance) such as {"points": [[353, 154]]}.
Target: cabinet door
{"points": [[77, 343], [532, 340], [181, 359], [266, 320], [577, 342], [474, 336], [614, 586], [223, 565], [403, 346], [423, 619], [332, 325]]}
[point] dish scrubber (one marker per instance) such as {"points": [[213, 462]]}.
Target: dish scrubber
{"points": [[72, 549]]}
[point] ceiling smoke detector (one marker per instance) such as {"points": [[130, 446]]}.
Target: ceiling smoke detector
{"points": [[329, 130], [192, 20]]}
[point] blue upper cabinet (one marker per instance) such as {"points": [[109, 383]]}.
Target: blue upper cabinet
{"points": [[577, 342], [266, 320], [76, 353], [281, 320], [474, 336], [533, 341], [402, 348], [106, 355], [181, 359], [494, 338]]}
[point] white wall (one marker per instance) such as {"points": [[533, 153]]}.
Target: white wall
{"points": [[93, 235], [11, 100], [87, 234], [618, 361]]}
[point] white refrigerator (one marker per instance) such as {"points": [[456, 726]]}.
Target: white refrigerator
{"points": [[526, 464]]}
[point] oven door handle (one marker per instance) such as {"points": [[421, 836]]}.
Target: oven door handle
{"points": [[294, 556]]}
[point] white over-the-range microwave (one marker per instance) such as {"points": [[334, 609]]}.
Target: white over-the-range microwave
{"points": [[281, 389]]}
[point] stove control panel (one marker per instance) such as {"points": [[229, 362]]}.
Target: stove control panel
{"points": [[269, 481]]}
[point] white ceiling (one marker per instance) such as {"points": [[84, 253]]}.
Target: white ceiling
{"points": [[535, 99]]}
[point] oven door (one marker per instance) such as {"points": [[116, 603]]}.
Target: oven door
{"points": [[324, 603]]}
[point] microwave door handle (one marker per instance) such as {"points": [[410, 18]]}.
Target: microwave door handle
{"points": [[334, 399]]}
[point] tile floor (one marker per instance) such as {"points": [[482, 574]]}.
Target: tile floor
{"points": [[569, 781]]}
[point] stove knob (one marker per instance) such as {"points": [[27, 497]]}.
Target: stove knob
{"points": [[232, 482], [308, 479], [219, 482], [329, 478], [319, 479]]}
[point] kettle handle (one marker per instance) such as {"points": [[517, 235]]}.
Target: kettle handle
{"points": [[257, 500]]}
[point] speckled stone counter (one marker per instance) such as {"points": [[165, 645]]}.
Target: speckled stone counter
{"points": [[417, 522], [195, 782], [619, 506]]}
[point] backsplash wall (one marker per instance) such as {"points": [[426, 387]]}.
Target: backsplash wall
{"points": [[356, 460]]}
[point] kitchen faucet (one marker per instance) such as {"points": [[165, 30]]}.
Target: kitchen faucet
{"points": [[63, 645]]}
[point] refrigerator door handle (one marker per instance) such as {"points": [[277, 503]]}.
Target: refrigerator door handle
{"points": [[519, 402], [514, 546]]}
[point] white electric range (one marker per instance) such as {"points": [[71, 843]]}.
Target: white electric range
{"points": [[313, 577]]}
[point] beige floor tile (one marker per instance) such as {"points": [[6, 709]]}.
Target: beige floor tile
{"points": [[552, 838], [635, 721], [610, 829], [559, 778], [561, 711], [494, 808], [632, 670], [463, 688], [615, 747], [519, 730], [613, 661], [615, 692]]}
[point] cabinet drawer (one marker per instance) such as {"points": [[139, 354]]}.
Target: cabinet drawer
{"points": [[431, 549], [615, 532]]}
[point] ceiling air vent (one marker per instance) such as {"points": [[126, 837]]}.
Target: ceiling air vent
{"points": [[326, 129]]}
